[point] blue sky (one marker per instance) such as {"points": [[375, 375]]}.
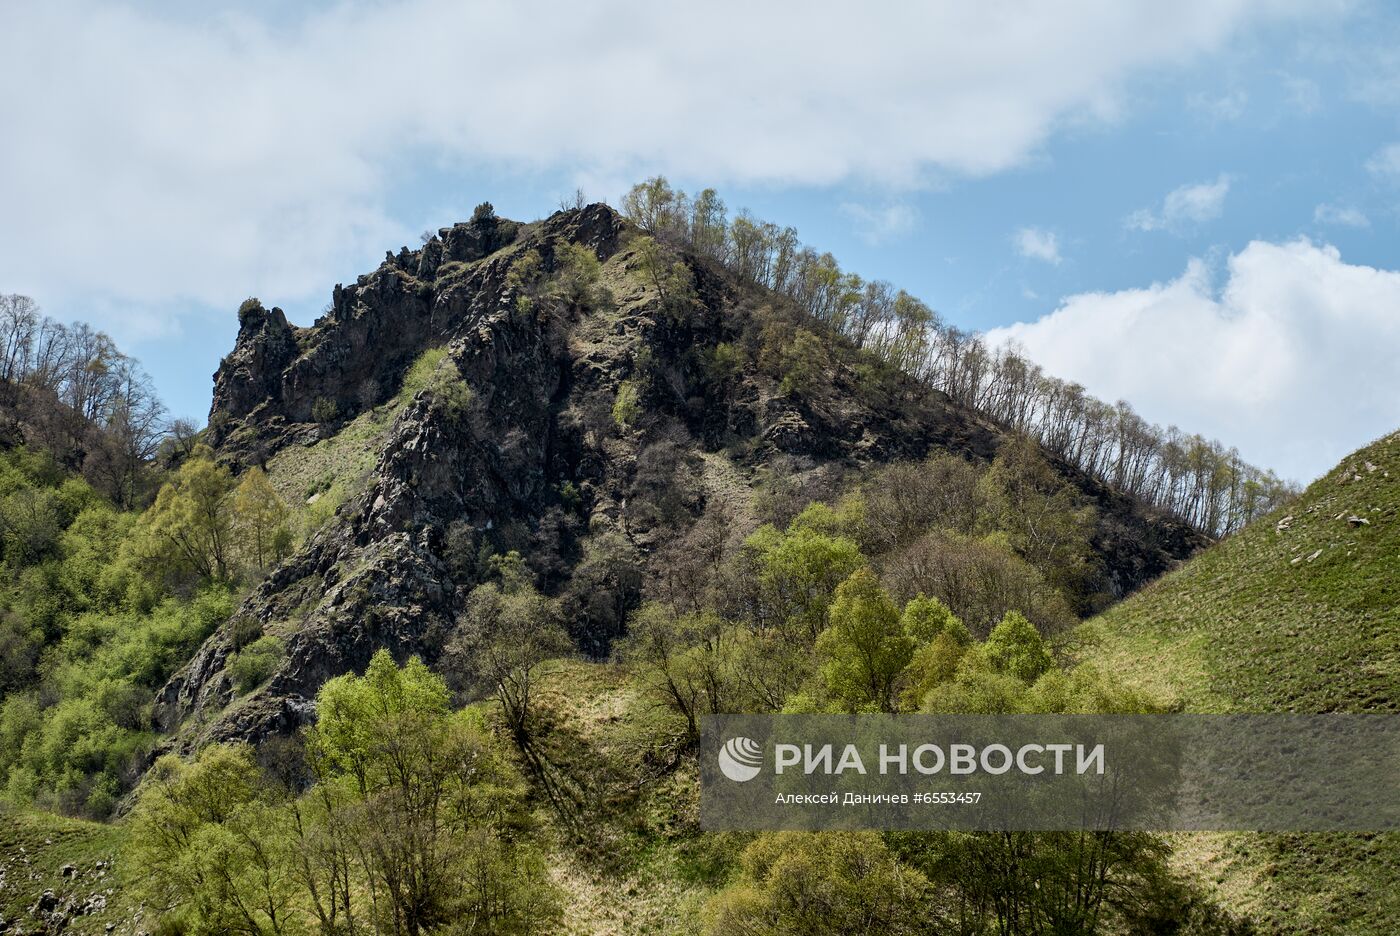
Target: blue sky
{"points": [[1193, 205]]}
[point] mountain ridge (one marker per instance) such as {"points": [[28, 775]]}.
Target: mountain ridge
{"points": [[540, 433]]}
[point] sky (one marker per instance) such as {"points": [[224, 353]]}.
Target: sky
{"points": [[1191, 206]]}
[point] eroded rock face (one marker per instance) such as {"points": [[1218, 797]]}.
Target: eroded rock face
{"points": [[530, 457], [267, 390]]}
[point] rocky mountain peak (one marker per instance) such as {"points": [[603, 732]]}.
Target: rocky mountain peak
{"points": [[489, 408]]}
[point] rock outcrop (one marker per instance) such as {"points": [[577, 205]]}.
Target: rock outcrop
{"points": [[525, 452]]}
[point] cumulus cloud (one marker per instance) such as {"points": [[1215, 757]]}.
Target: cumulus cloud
{"points": [[1036, 244], [1292, 359], [1341, 215], [180, 155], [1184, 207], [1385, 164], [875, 226]]}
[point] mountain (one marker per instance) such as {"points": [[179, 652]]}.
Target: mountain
{"points": [[1299, 612], [558, 389], [642, 486]]}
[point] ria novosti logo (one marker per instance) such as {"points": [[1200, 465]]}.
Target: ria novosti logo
{"points": [[740, 759]]}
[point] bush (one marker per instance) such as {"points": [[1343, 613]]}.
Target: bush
{"points": [[255, 663], [1015, 647], [627, 407], [324, 410], [824, 884], [243, 631]]}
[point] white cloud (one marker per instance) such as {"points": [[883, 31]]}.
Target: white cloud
{"points": [[155, 158], [1222, 108], [875, 226], [1385, 164], [1341, 215], [1184, 206], [1038, 245], [1292, 360]]}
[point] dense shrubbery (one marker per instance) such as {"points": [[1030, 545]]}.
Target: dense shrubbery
{"points": [[100, 606], [414, 823], [928, 588]]}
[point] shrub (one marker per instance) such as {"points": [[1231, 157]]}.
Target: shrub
{"points": [[324, 410], [243, 631], [627, 407], [1015, 647], [252, 665]]}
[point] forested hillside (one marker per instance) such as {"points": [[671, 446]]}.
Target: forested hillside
{"points": [[417, 634]]}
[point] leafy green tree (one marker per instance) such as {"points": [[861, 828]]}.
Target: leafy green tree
{"points": [[671, 278], [798, 573], [504, 634], [824, 884], [1016, 648], [932, 665], [940, 640], [260, 520], [653, 206], [190, 525], [411, 800], [1042, 513], [926, 619], [976, 689], [31, 522], [209, 839], [685, 661], [864, 649], [804, 361]]}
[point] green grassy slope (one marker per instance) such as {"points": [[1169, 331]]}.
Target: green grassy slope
{"points": [[75, 860], [1301, 613]]}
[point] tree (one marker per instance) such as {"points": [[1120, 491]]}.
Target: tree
{"points": [[824, 884], [1016, 648], [671, 278], [1040, 511], [798, 572], [503, 635], [685, 661], [978, 579], [190, 525], [259, 520], [408, 810], [864, 649], [209, 839], [926, 619], [652, 206], [906, 500], [484, 214]]}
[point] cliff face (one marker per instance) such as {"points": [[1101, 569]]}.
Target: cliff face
{"points": [[527, 454]]}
